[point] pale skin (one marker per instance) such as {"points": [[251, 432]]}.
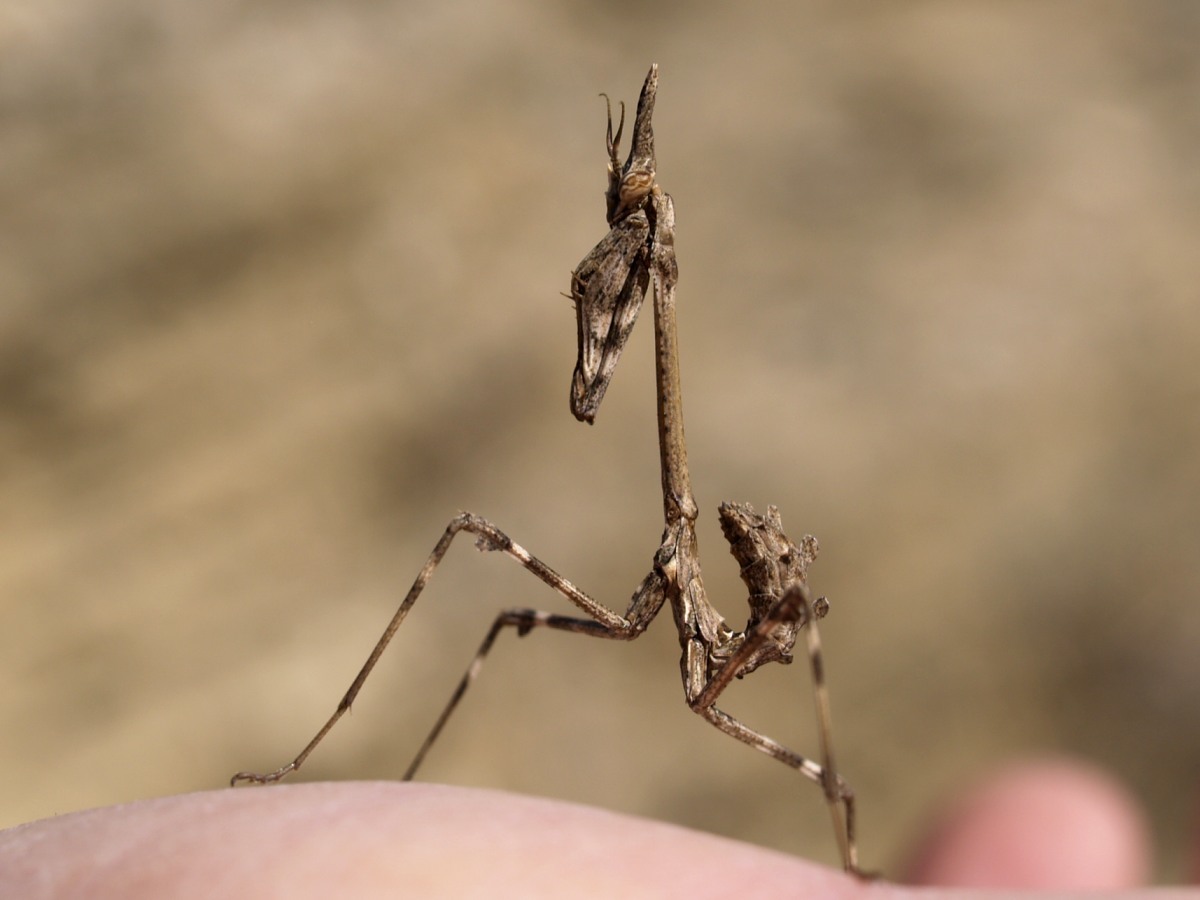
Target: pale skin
{"points": [[1056, 826]]}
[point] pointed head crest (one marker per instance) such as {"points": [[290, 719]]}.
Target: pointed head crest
{"points": [[630, 184]]}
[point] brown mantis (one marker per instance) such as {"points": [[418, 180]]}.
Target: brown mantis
{"points": [[608, 288]]}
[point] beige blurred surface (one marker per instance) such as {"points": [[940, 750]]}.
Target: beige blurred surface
{"points": [[279, 294]]}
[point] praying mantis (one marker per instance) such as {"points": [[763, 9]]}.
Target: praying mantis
{"points": [[608, 287]]}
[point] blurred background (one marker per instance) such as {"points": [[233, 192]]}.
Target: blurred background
{"points": [[280, 293]]}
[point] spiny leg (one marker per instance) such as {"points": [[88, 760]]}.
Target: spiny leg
{"points": [[642, 609], [794, 606]]}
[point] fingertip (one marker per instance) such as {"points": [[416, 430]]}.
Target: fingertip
{"points": [[1048, 824]]}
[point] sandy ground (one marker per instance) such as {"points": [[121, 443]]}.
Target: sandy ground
{"points": [[280, 293]]}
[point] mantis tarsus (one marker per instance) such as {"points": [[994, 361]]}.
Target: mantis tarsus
{"points": [[608, 288]]}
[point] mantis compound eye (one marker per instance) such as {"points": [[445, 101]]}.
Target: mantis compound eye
{"points": [[635, 186]]}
